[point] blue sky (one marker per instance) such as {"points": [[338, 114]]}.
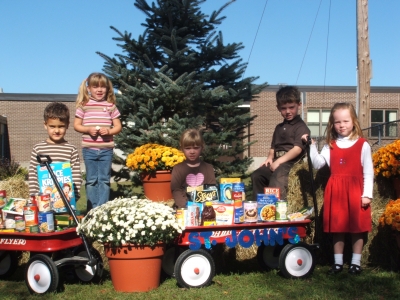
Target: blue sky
{"points": [[49, 46]]}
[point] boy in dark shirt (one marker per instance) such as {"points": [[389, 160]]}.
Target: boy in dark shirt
{"points": [[286, 146]]}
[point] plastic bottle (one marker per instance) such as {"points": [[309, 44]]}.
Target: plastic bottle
{"points": [[208, 217]]}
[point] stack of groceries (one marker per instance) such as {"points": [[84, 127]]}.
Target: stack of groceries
{"points": [[33, 215], [226, 204]]}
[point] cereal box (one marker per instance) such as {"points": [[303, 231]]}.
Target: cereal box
{"points": [[273, 191], [225, 189], [224, 214], [208, 193], [266, 208], [62, 170]]}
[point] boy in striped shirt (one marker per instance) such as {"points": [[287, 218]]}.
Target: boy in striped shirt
{"points": [[56, 122]]}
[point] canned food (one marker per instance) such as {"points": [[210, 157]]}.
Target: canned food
{"points": [[9, 223], [239, 215], [44, 203], [250, 211], [281, 210], [46, 221], [239, 187], [31, 215], [32, 229], [19, 223]]}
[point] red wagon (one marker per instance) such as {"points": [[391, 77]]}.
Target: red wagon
{"points": [[49, 252], [279, 247]]}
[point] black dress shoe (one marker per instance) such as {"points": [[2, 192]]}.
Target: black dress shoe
{"points": [[354, 269], [335, 269]]}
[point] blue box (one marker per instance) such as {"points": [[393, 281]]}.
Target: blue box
{"points": [[62, 170], [266, 207]]}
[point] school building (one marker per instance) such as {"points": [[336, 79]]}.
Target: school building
{"points": [[21, 118]]}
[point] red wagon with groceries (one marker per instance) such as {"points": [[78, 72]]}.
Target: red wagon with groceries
{"points": [[266, 224], [50, 251]]}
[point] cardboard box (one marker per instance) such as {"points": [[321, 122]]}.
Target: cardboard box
{"points": [[225, 189], [62, 170], [273, 191], [224, 214], [266, 207]]}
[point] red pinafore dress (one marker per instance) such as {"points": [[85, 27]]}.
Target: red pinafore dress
{"points": [[342, 197]]}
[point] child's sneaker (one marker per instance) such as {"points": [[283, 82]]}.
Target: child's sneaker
{"points": [[335, 269], [354, 269]]}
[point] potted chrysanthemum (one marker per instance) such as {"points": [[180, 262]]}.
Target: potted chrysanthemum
{"points": [[153, 164], [386, 162], [131, 229]]}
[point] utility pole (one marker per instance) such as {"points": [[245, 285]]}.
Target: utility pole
{"points": [[363, 64]]}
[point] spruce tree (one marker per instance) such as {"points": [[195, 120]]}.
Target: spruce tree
{"points": [[179, 74]]}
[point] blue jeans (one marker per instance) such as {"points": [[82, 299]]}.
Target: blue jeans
{"points": [[98, 173]]}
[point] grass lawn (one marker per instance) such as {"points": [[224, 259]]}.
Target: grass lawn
{"points": [[238, 280]]}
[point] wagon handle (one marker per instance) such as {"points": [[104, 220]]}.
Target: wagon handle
{"points": [[46, 163], [310, 169]]}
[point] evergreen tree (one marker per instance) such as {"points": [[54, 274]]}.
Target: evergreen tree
{"points": [[179, 74]]}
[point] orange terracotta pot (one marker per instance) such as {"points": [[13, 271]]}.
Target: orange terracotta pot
{"points": [[135, 268], [157, 186]]}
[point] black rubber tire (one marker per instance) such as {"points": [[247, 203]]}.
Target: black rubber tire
{"points": [[169, 259], [268, 256], [85, 273], [8, 263], [42, 267], [194, 269], [297, 260]]}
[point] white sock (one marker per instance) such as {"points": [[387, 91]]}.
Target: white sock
{"points": [[338, 259], [356, 259]]}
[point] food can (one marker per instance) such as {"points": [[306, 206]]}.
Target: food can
{"points": [[46, 221], [44, 203], [181, 216], [193, 216], [239, 187], [281, 210], [9, 222], [250, 211], [238, 215], [19, 223], [238, 203], [31, 215], [34, 198], [32, 229]]}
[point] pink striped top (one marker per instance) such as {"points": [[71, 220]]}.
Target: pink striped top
{"points": [[97, 113]]}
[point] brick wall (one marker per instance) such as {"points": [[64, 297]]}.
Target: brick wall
{"points": [[26, 125]]}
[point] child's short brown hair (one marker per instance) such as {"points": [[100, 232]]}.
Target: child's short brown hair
{"points": [[191, 137], [288, 94], [56, 110]]}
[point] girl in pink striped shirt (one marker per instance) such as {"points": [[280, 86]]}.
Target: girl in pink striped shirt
{"points": [[97, 118]]}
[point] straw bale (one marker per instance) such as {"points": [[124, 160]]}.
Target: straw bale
{"points": [[15, 187]]}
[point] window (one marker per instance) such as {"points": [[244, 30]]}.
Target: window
{"points": [[317, 120], [380, 117]]}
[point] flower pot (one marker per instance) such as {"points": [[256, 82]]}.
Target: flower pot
{"points": [[135, 268], [396, 186], [157, 186]]}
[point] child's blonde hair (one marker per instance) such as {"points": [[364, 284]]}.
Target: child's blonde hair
{"points": [[95, 79], [331, 133], [191, 137]]}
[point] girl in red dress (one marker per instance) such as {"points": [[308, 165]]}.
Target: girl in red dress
{"points": [[348, 193]]}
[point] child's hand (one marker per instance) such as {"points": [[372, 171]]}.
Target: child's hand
{"points": [[104, 131], [365, 202], [305, 138], [92, 131]]}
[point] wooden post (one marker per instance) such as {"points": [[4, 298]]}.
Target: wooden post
{"points": [[363, 63]]}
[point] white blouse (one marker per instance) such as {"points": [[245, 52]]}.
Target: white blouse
{"points": [[319, 160]]}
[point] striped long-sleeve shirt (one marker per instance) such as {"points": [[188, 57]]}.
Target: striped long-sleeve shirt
{"points": [[58, 153], [97, 113]]}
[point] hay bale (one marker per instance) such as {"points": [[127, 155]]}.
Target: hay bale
{"points": [[16, 187]]}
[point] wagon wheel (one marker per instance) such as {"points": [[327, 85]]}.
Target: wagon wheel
{"points": [[41, 274], [268, 256], [8, 263], [296, 260], [169, 259], [194, 268], [86, 273]]}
